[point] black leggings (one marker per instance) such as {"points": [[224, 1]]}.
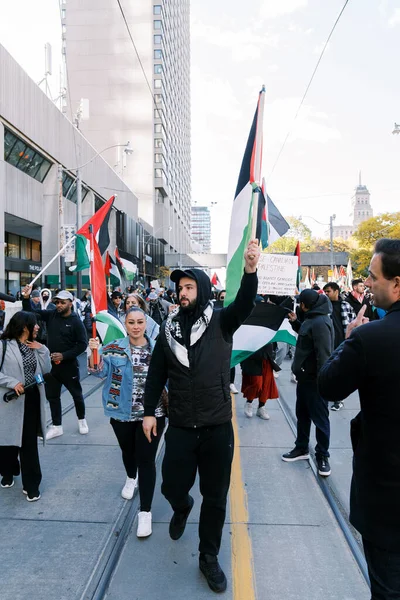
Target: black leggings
{"points": [[139, 455], [28, 453]]}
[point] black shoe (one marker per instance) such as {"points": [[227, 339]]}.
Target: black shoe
{"points": [[337, 405], [296, 454], [7, 481], [324, 467], [211, 570], [178, 522]]}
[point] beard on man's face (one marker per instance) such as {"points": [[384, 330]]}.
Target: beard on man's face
{"points": [[188, 305]]}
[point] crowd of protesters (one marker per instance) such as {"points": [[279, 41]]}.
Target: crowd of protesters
{"points": [[166, 366]]}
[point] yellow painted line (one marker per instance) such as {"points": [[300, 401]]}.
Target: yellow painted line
{"points": [[242, 552]]}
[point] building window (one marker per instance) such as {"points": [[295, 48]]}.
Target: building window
{"points": [[36, 251], [69, 188], [12, 245], [157, 24], [157, 40], [158, 69], [22, 247], [157, 9], [158, 84], [25, 158], [159, 173], [158, 54]]}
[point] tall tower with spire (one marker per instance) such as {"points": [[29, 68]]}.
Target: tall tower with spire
{"points": [[362, 209]]}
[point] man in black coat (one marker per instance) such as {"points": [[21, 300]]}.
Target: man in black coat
{"points": [[369, 361], [66, 340], [193, 352], [357, 299], [313, 348]]}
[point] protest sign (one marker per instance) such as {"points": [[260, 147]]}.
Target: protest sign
{"points": [[277, 274]]}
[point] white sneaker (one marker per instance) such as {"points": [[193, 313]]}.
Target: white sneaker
{"points": [[276, 374], [54, 431], [262, 413], [248, 410], [129, 488], [293, 378], [144, 524], [233, 388], [83, 426]]}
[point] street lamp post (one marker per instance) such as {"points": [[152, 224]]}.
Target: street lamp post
{"points": [[78, 183], [331, 219], [149, 235]]}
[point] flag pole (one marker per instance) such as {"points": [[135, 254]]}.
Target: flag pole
{"points": [[92, 280], [255, 199], [52, 260]]}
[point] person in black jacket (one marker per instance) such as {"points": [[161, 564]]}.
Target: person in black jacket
{"points": [[313, 348], [357, 299], [66, 340], [370, 362], [193, 352]]}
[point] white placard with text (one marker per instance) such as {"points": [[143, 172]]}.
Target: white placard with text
{"points": [[277, 274]]}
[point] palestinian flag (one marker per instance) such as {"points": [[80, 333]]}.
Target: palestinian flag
{"points": [[271, 225], [99, 223], [297, 253], [312, 278], [307, 281], [216, 282], [278, 225], [129, 269], [349, 275], [262, 230], [266, 324], [112, 271], [247, 192], [109, 327]]}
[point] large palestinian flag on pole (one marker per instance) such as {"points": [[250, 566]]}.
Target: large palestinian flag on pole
{"points": [[99, 223], [247, 193], [266, 324]]}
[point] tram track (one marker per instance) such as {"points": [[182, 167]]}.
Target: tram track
{"points": [[328, 489]]}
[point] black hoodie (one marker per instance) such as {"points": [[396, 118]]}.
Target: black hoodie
{"points": [[315, 340]]}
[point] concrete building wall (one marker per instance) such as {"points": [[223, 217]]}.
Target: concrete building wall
{"points": [[103, 67]]}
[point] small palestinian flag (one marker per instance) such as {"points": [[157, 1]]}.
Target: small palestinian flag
{"points": [[109, 327], [216, 282], [129, 269], [112, 271], [266, 324]]}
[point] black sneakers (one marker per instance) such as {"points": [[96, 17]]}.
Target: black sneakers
{"points": [[7, 482], [296, 454], [324, 467], [337, 405], [211, 570], [178, 522]]}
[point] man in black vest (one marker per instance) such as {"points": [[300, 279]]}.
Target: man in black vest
{"points": [[193, 352], [369, 361]]}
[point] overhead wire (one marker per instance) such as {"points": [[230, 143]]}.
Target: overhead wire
{"points": [[136, 50], [307, 89]]}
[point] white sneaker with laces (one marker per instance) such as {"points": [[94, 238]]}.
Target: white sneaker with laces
{"points": [[262, 413], [276, 374], [233, 388], [83, 426], [248, 410], [129, 488], [293, 378], [54, 431], [144, 524]]}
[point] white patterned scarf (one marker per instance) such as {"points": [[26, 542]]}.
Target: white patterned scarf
{"points": [[174, 336]]}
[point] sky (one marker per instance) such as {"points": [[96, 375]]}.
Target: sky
{"points": [[345, 124]]}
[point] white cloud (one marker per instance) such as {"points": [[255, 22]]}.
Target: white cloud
{"points": [[245, 44], [309, 125], [395, 18], [270, 9]]}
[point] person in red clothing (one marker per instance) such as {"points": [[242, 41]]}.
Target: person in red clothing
{"points": [[259, 381]]}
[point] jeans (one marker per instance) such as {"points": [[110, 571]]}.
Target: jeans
{"points": [[139, 456], [67, 374], [208, 450], [311, 407], [28, 453], [384, 572]]}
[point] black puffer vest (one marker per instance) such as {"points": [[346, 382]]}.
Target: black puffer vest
{"points": [[199, 396]]}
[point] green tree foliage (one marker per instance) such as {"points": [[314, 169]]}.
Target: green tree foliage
{"points": [[385, 225], [298, 232]]}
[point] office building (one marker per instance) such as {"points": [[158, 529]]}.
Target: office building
{"points": [[201, 227], [40, 150], [138, 90]]}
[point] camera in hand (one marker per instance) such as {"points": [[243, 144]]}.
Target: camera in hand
{"points": [[12, 394]]}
